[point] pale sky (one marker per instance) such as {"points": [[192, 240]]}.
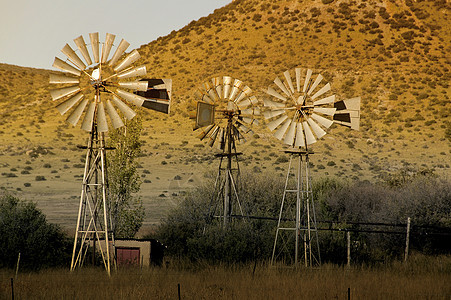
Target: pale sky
{"points": [[33, 32]]}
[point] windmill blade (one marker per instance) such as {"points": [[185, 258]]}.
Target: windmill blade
{"points": [[315, 84], [238, 136], [323, 90], [289, 138], [116, 120], [212, 136], [273, 124], [213, 94], [204, 131], [135, 85], [76, 114], [235, 89], [288, 80], [102, 125], [128, 60], [135, 72], [281, 86], [106, 48], [94, 37], [272, 104], [214, 91], [319, 132], [203, 97], [123, 45], [227, 85], [244, 103], [58, 78], [243, 128], [282, 129], [307, 80], [298, 79], [251, 112], [273, 93], [273, 113], [245, 92], [130, 97], [230, 106], [322, 121], [62, 65], [73, 57], [63, 92], [300, 139], [253, 100], [127, 111], [69, 103], [327, 100], [309, 137], [325, 110], [81, 45], [250, 120], [89, 117]]}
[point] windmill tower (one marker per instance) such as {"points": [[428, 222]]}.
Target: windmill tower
{"points": [[95, 88], [300, 115], [225, 109]]}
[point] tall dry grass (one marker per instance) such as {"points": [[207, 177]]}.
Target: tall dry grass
{"points": [[421, 278]]}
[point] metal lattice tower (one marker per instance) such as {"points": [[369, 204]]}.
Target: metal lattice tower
{"points": [[94, 219], [298, 215]]}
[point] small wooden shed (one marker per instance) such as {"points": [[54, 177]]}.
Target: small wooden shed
{"points": [[138, 252]]}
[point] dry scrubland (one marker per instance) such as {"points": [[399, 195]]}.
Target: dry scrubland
{"points": [[422, 278], [394, 54]]}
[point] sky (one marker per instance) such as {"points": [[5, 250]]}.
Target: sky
{"points": [[33, 32]]}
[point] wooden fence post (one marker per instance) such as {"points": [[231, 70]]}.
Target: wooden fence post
{"points": [[17, 264], [12, 288], [406, 253]]}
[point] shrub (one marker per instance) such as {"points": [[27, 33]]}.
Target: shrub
{"points": [[190, 232], [25, 230]]}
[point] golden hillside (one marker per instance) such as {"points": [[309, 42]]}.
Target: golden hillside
{"points": [[394, 54]]}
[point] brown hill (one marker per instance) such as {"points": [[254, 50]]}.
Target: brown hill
{"points": [[394, 54]]}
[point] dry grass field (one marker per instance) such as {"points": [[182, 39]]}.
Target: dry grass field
{"points": [[394, 54], [422, 278]]}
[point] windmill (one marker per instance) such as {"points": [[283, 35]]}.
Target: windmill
{"points": [[299, 114], [226, 109], [96, 88]]}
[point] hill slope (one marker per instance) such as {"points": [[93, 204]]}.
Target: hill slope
{"points": [[394, 54]]}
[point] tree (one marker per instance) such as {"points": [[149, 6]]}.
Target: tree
{"points": [[25, 230], [127, 211]]}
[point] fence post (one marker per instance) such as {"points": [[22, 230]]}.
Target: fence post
{"points": [[348, 237], [12, 288], [406, 253], [17, 264]]}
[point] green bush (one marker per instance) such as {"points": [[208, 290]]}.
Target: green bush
{"points": [[25, 230]]}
